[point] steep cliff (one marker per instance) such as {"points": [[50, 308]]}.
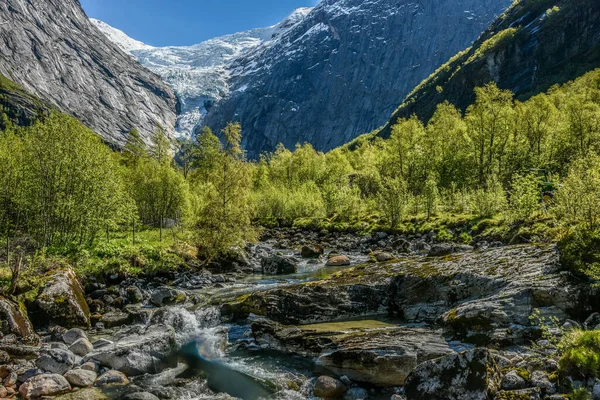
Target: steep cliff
{"points": [[52, 51], [344, 68], [532, 46]]}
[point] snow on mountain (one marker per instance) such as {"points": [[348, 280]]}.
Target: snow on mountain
{"points": [[199, 74]]}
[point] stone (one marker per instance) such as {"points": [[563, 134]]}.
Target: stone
{"points": [[89, 366], [147, 350], [62, 301], [278, 265], [140, 396], [56, 361], [14, 320], [513, 381], [596, 390], [116, 318], [338, 261], [468, 375], [81, 347], [101, 343], [311, 251], [592, 321], [3, 392], [540, 379], [523, 394], [135, 295], [84, 394], [382, 256], [81, 377], [167, 296], [356, 394], [44, 385], [112, 378], [4, 357], [11, 379], [29, 373], [329, 388], [72, 335]]}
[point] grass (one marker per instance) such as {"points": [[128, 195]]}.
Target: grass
{"points": [[346, 326]]}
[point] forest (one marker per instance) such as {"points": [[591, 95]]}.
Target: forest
{"points": [[510, 163]]}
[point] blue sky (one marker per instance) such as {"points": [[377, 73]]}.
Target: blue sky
{"points": [[186, 22]]}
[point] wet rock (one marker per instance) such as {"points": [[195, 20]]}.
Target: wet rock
{"points": [[523, 394], [140, 396], [101, 343], [329, 388], [278, 265], [468, 375], [84, 394], [311, 251], [112, 378], [167, 296], [356, 394], [14, 320], [72, 335], [513, 381], [56, 361], [80, 377], [81, 347], [338, 261], [444, 249], [44, 385], [135, 295], [148, 351], [62, 301], [382, 256], [116, 319]]}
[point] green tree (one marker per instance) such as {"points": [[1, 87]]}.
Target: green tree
{"points": [[393, 200], [160, 150], [208, 150], [135, 149]]}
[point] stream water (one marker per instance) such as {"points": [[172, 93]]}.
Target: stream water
{"points": [[220, 341]]}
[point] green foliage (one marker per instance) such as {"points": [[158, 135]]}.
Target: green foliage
{"points": [[580, 253], [495, 42], [580, 354], [489, 201], [525, 197]]}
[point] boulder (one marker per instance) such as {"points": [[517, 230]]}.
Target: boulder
{"points": [[56, 361], [135, 295], [468, 375], [84, 394], [444, 249], [541, 380], [311, 251], [72, 335], [112, 378], [117, 318], [338, 261], [81, 347], [62, 301], [81, 377], [14, 320], [523, 394], [329, 388], [167, 296], [278, 265], [513, 381], [44, 385], [136, 353], [356, 394], [383, 256], [592, 322]]}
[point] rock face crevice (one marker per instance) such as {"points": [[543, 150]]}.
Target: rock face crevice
{"points": [[342, 70], [53, 51]]}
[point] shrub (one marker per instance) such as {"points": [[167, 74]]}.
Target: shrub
{"points": [[580, 354], [525, 197], [392, 200], [489, 201], [580, 253]]}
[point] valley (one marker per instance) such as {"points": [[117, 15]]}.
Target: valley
{"points": [[287, 213]]}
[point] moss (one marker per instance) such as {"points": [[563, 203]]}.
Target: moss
{"points": [[523, 373], [346, 326], [580, 354], [511, 396]]}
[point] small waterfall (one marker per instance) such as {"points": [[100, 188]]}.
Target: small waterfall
{"points": [[201, 326]]}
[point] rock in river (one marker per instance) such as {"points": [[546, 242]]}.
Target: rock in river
{"points": [[278, 265]]}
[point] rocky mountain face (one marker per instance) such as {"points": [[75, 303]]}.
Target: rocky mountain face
{"points": [[343, 69], [531, 47], [52, 50], [198, 73]]}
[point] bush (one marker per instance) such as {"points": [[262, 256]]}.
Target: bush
{"points": [[525, 197], [580, 253], [489, 201], [580, 354]]}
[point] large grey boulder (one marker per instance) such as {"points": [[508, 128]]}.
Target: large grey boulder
{"points": [[469, 375], [81, 377], [329, 388], [14, 320], [62, 301], [44, 385], [278, 265], [147, 352], [56, 361]]}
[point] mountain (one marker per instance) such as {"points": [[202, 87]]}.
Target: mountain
{"points": [[532, 46], [51, 50], [198, 73], [344, 68]]}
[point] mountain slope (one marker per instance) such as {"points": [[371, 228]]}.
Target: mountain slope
{"points": [[52, 50], [198, 73], [534, 45], [343, 69]]}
